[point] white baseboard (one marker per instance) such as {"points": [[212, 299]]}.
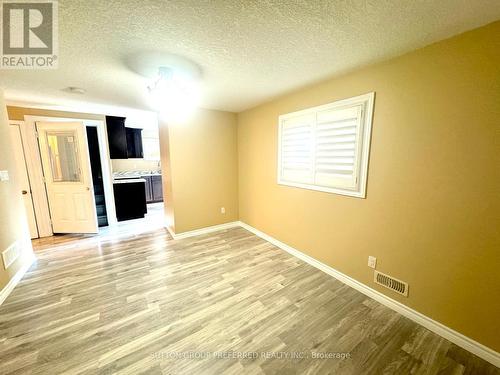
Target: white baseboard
{"points": [[169, 229], [197, 232], [4, 293], [455, 337]]}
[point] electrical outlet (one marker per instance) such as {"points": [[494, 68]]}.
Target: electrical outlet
{"points": [[372, 262], [4, 175], [223, 210]]}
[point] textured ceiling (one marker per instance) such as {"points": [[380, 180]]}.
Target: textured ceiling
{"points": [[249, 50]]}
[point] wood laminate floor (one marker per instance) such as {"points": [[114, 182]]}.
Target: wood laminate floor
{"points": [[132, 302]]}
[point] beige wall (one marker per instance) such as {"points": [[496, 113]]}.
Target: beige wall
{"points": [[201, 173], [431, 216], [13, 223]]}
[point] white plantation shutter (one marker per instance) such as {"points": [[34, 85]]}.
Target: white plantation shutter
{"points": [[326, 148], [337, 141], [296, 150]]}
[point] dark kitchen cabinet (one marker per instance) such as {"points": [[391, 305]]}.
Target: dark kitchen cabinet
{"points": [[124, 143], [130, 200], [134, 143], [117, 137], [154, 190], [149, 189], [157, 189]]}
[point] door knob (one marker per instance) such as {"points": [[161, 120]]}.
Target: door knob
{"points": [[24, 192]]}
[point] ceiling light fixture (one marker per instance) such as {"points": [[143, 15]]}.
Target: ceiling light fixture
{"points": [[172, 83], [174, 94]]}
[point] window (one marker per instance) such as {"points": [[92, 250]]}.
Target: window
{"points": [[326, 148], [63, 156]]}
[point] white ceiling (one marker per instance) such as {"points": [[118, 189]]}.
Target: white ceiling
{"points": [[249, 50]]}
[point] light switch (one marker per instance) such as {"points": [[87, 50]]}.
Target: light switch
{"points": [[4, 175], [372, 262]]}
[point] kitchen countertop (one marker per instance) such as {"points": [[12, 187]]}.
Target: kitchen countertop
{"points": [[134, 174], [128, 180]]}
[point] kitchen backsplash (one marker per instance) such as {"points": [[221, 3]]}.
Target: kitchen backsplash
{"points": [[121, 165]]}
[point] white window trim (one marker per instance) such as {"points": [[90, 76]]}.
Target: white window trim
{"points": [[368, 101]]}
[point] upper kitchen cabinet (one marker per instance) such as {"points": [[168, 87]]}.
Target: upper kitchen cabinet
{"points": [[124, 143], [134, 143], [117, 137]]}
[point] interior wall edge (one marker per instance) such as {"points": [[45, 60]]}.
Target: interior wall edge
{"points": [[199, 162], [14, 228]]}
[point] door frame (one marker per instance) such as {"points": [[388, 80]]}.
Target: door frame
{"points": [[35, 173], [22, 132]]}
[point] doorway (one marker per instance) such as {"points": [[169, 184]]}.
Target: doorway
{"points": [[52, 156], [97, 178], [67, 176]]}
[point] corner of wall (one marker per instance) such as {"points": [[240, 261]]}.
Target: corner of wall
{"points": [[166, 169], [13, 223], [199, 158]]}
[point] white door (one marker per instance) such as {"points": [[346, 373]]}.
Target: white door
{"points": [[17, 144], [66, 167]]}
